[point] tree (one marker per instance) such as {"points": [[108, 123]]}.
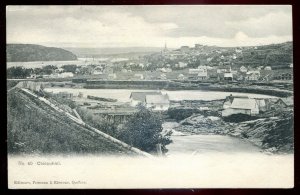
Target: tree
{"points": [[18, 72], [70, 68], [144, 131]]}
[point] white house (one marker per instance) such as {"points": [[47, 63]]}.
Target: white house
{"points": [[242, 106], [202, 75], [140, 97], [252, 75], [268, 68], [229, 99], [228, 76], [243, 69], [180, 77], [66, 74], [198, 70], [158, 102]]}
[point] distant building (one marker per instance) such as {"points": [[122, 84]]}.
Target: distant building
{"points": [[180, 77], [66, 74], [284, 76], [202, 75], [166, 70], [285, 102], [209, 59], [268, 68], [182, 64], [200, 69], [158, 102], [163, 76], [223, 69], [140, 97], [111, 76], [238, 50], [262, 106], [242, 106], [229, 100], [243, 69], [32, 76], [138, 76], [252, 76], [204, 67], [98, 70], [228, 76]]}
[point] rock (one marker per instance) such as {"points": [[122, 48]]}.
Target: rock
{"points": [[198, 123]]}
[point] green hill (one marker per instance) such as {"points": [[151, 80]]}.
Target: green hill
{"points": [[30, 52], [33, 127]]}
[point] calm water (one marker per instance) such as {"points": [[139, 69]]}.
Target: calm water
{"points": [[38, 64], [124, 94], [184, 143]]}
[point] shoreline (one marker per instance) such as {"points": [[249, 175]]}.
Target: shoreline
{"points": [[254, 88]]}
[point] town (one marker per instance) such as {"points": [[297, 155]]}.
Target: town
{"points": [[201, 62]]}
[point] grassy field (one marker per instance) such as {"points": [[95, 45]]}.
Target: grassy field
{"points": [[35, 128]]}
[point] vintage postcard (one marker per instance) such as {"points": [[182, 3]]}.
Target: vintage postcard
{"points": [[172, 96]]}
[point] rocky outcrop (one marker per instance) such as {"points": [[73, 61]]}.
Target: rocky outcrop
{"points": [[273, 133], [200, 124]]}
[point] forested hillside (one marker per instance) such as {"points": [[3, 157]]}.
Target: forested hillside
{"points": [[30, 52]]}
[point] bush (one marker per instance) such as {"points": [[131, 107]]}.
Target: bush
{"points": [[98, 122], [181, 113], [236, 118]]}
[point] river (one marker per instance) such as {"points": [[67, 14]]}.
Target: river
{"points": [[184, 143], [123, 95]]}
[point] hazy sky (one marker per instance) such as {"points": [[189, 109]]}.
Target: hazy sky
{"points": [[152, 26]]}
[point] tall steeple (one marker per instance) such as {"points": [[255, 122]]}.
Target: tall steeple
{"points": [[165, 49]]}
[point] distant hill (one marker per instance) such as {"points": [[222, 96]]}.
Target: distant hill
{"points": [[275, 55], [30, 52], [112, 51]]}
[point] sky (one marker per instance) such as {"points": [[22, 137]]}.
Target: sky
{"points": [[148, 26]]}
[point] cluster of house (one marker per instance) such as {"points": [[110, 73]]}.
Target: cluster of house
{"points": [[253, 107], [153, 100], [239, 74]]}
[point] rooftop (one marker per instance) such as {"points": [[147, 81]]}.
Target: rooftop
{"points": [[141, 96], [157, 99], [244, 103]]}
